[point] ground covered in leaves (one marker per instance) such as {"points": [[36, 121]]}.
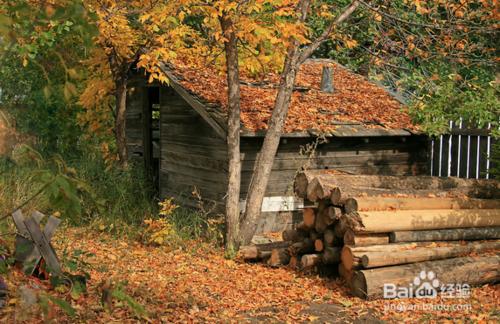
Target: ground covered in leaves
{"points": [[197, 284]]}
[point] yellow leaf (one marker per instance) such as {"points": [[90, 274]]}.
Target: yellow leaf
{"points": [[73, 74], [46, 92]]}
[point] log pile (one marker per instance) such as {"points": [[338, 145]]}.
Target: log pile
{"points": [[386, 229], [310, 244]]}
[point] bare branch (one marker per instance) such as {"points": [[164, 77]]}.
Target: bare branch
{"points": [[307, 52]]}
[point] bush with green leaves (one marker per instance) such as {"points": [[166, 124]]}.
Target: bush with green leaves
{"points": [[82, 189]]}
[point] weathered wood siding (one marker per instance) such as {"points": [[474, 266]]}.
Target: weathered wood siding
{"points": [[376, 155], [192, 154]]}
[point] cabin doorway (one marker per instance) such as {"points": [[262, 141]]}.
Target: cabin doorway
{"points": [[152, 136]]}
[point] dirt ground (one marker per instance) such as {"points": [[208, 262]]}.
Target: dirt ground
{"points": [[197, 284]]}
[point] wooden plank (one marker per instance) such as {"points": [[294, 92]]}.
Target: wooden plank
{"points": [[195, 128], [43, 246], [51, 226], [336, 157], [278, 204], [351, 144], [195, 161], [182, 183], [454, 155], [339, 131], [194, 139], [18, 218], [445, 156], [493, 163], [191, 140], [463, 156], [191, 172], [196, 149], [34, 256], [23, 246], [37, 216], [284, 163], [471, 131], [194, 103]]}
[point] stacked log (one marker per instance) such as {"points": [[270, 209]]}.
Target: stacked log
{"points": [[386, 229], [311, 243], [387, 225]]}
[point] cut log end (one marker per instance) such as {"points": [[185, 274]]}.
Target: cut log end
{"points": [[279, 257], [308, 216], [310, 260], [347, 257], [358, 285], [319, 245]]}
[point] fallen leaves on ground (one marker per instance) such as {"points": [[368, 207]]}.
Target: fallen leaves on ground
{"points": [[196, 284]]}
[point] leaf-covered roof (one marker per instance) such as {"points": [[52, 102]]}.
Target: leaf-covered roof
{"points": [[355, 100]]}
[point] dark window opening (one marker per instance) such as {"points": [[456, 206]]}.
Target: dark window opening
{"points": [[152, 136]]}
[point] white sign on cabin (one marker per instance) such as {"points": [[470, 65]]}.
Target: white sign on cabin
{"points": [[278, 204]]}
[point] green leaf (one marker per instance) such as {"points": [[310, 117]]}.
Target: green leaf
{"points": [[137, 308]]}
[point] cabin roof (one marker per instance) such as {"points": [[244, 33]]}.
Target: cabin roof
{"points": [[357, 107]]}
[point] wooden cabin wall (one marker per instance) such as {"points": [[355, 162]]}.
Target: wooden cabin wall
{"points": [[192, 155], [374, 155]]}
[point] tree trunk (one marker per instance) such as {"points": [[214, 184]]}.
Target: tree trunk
{"points": [[410, 220], [265, 160], [425, 253], [120, 120], [353, 239], [293, 59], [260, 251], [233, 136], [351, 256], [457, 234], [469, 270], [405, 203], [320, 188]]}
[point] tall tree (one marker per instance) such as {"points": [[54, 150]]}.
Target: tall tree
{"points": [[247, 31], [118, 43], [248, 34], [233, 133], [294, 58]]}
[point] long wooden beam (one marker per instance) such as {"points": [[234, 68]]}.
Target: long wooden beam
{"points": [[411, 220]]}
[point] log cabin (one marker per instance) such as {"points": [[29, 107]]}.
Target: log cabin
{"points": [[178, 130]]}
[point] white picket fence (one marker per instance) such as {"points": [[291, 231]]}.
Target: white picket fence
{"points": [[464, 152]]}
